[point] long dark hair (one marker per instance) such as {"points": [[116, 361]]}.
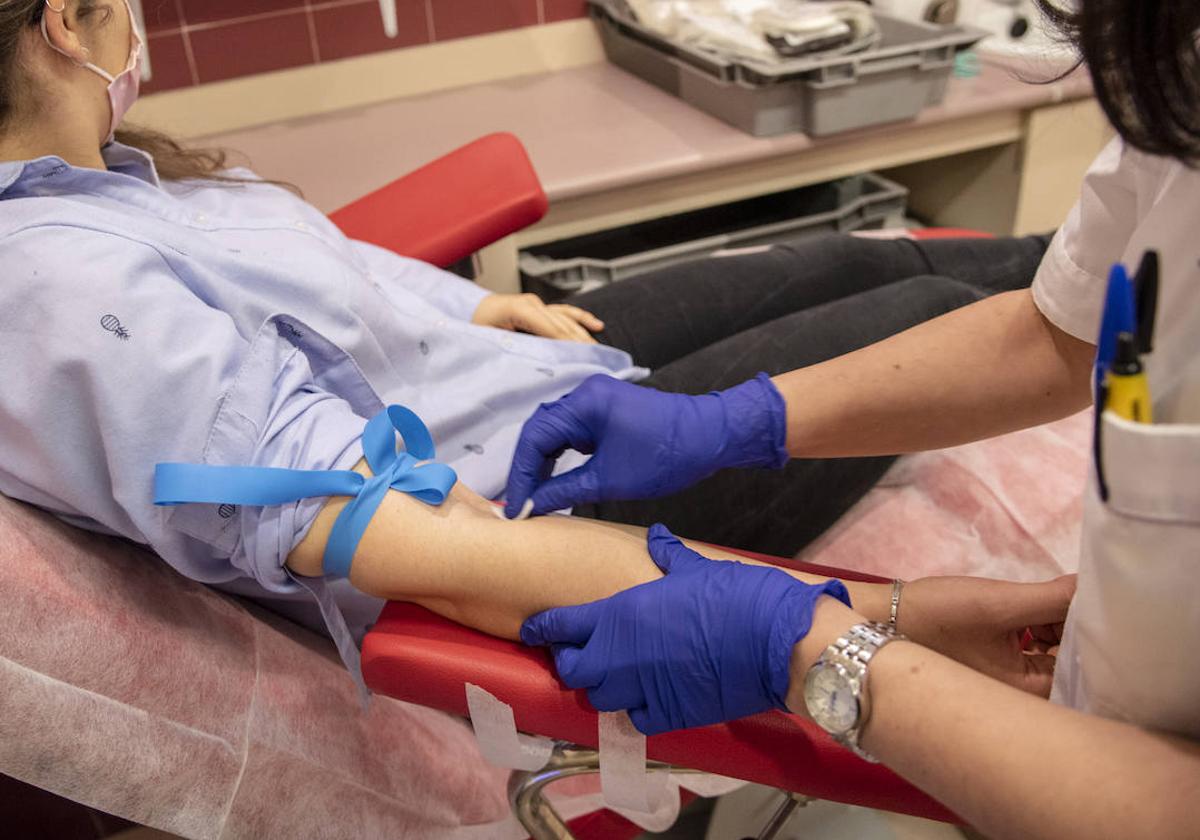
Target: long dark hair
{"points": [[1143, 59], [173, 160]]}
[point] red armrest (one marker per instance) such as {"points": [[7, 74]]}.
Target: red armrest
{"points": [[452, 207], [416, 656], [949, 233]]}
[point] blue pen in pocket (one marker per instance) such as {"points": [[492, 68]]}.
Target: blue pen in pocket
{"points": [[1119, 316]]}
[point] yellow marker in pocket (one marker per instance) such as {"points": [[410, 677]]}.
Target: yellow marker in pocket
{"points": [[1128, 390]]}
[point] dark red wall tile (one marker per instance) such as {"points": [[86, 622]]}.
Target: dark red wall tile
{"points": [[207, 11], [161, 15], [564, 9], [168, 60], [344, 31], [249, 47], [460, 18], [229, 39]]}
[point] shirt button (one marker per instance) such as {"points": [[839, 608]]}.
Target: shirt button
{"points": [[507, 343], [440, 323], [301, 226], [200, 218]]}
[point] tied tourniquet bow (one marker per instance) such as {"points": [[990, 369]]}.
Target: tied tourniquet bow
{"points": [[407, 471]]}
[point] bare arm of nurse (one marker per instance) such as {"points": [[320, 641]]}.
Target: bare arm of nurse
{"points": [[1011, 765], [989, 368]]}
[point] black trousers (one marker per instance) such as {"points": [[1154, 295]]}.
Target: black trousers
{"points": [[712, 323]]}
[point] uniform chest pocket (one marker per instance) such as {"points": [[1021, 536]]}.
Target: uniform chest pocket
{"points": [[1136, 615]]}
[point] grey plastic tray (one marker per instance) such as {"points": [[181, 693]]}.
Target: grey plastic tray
{"points": [[559, 269], [907, 70]]}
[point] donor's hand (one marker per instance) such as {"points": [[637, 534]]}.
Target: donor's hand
{"points": [[1009, 631], [529, 314]]}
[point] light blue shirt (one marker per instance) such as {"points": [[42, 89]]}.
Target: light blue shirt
{"points": [[143, 322]]}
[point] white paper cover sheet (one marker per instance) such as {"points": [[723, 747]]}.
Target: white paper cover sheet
{"points": [[130, 689]]}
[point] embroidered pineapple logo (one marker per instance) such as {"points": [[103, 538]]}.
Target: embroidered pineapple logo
{"points": [[113, 324]]}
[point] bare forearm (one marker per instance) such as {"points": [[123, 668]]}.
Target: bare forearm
{"points": [[1017, 766], [464, 563], [989, 368], [461, 561], [873, 600], [1010, 763]]}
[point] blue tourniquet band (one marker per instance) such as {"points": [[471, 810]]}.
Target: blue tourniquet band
{"points": [[176, 484]]}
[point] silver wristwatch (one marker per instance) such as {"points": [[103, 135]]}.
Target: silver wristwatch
{"points": [[835, 688]]}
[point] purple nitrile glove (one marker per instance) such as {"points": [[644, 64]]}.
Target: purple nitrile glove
{"points": [[712, 641], [647, 443]]}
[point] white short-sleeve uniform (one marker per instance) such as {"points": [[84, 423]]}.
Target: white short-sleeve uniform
{"points": [[1131, 649]]}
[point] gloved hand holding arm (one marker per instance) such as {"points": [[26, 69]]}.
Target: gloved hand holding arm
{"points": [[646, 443], [705, 644], [711, 641]]}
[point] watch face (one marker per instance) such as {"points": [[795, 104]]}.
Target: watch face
{"points": [[830, 700]]}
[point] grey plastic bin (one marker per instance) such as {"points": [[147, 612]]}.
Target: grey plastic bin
{"points": [[559, 269], [818, 95]]}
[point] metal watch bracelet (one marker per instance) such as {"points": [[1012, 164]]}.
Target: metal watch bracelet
{"points": [[854, 652]]}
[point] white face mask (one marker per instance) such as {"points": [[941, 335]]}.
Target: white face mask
{"points": [[122, 88]]}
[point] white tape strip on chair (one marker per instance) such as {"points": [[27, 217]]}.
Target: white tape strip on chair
{"points": [[496, 730], [649, 799]]}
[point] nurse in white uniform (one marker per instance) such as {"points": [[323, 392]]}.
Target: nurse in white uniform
{"points": [[1117, 751]]}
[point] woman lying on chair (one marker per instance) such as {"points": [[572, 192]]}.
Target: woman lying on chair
{"points": [[156, 308]]}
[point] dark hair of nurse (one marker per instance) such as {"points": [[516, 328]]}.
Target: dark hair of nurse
{"points": [[1144, 62]]}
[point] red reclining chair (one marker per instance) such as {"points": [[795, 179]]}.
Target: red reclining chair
{"points": [[442, 213]]}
